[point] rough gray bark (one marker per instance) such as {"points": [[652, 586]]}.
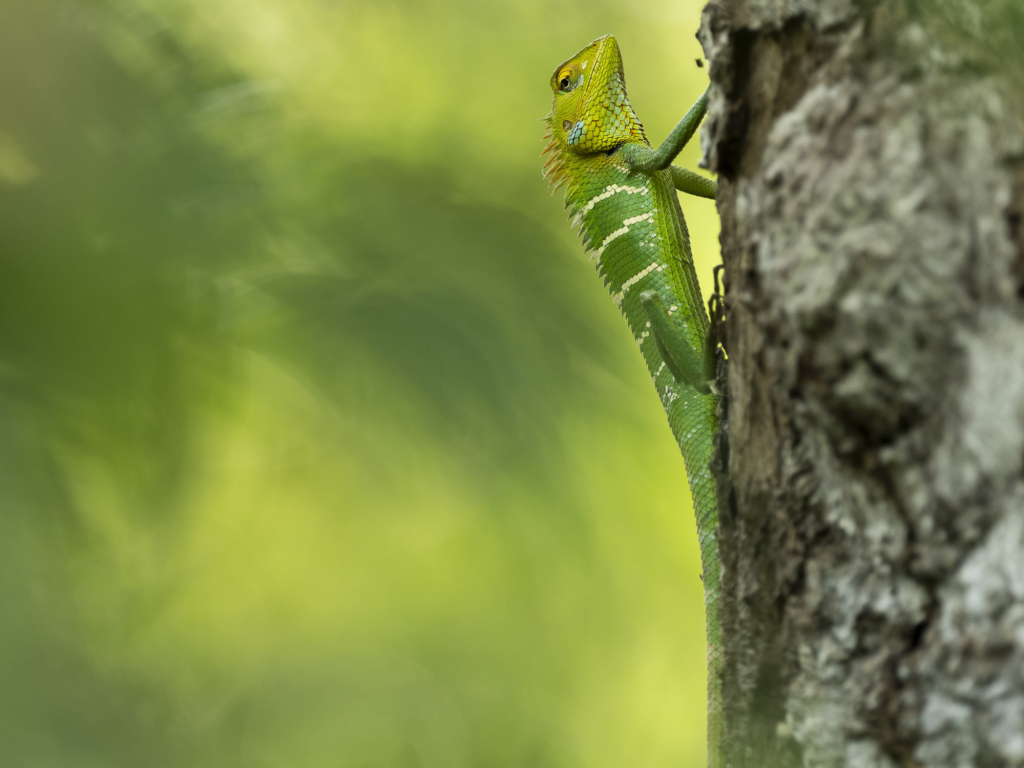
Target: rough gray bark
{"points": [[871, 171]]}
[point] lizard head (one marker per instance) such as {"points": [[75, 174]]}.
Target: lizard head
{"points": [[590, 112]]}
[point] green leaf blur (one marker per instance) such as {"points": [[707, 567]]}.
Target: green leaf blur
{"points": [[323, 444]]}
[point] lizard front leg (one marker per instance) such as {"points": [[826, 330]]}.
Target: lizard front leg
{"points": [[693, 183], [643, 158]]}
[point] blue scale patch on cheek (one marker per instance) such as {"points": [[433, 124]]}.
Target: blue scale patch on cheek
{"points": [[576, 133]]}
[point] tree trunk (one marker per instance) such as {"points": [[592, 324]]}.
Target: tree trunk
{"points": [[871, 462]]}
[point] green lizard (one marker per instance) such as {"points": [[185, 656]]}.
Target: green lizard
{"points": [[622, 194]]}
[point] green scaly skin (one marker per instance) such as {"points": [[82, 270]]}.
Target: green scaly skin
{"points": [[622, 194]]}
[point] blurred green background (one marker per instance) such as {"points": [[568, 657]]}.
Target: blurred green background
{"points": [[323, 444]]}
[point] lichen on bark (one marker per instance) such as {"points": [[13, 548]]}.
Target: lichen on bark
{"points": [[871, 482]]}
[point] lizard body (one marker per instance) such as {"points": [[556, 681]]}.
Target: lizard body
{"points": [[622, 194]]}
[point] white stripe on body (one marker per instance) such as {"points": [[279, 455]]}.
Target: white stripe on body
{"points": [[617, 298], [604, 244], [636, 219], [613, 189]]}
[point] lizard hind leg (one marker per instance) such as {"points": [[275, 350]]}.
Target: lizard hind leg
{"points": [[681, 359]]}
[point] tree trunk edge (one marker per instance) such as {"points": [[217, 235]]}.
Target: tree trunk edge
{"points": [[870, 466]]}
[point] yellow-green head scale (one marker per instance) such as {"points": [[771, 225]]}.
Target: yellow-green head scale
{"points": [[591, 112]]}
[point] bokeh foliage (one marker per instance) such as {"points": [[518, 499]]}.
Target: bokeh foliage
{"points": [[323, 444]]}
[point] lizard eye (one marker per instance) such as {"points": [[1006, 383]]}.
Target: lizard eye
{"points": [[564, 83]]}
